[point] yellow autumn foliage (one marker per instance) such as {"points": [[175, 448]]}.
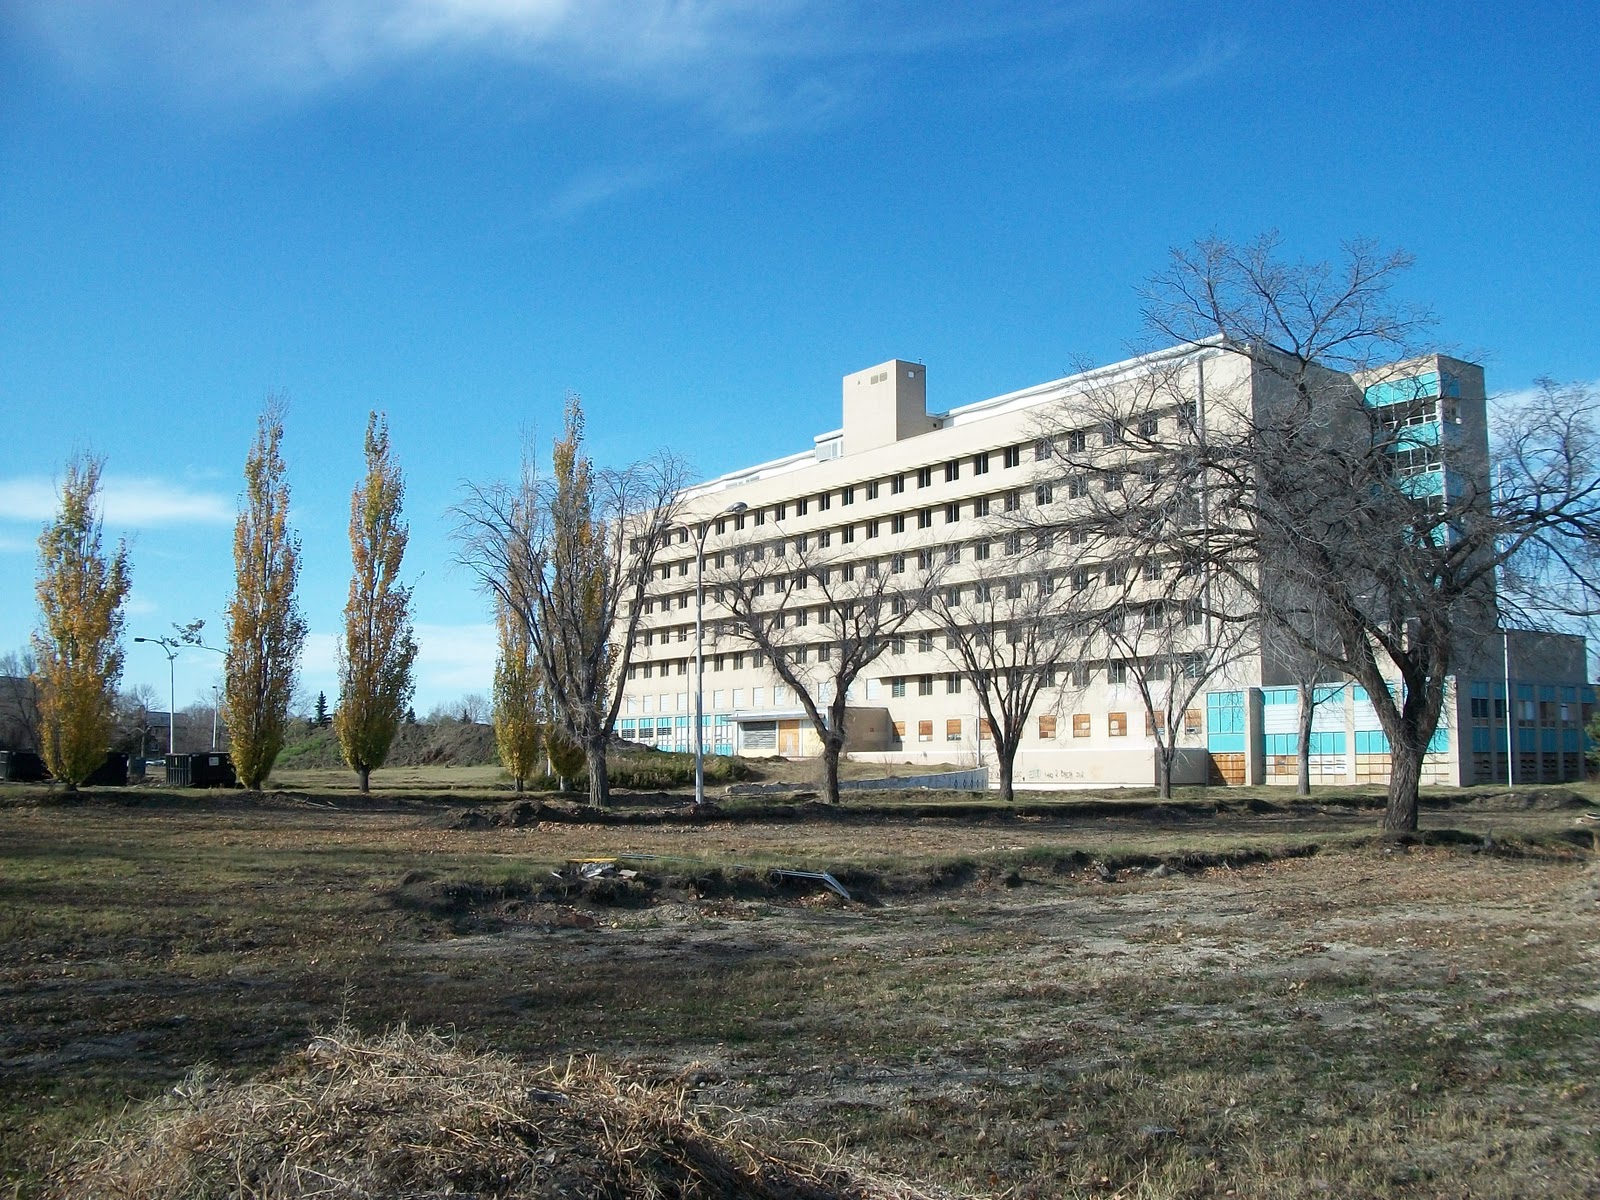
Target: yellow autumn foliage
{"points": [[78, 645]]}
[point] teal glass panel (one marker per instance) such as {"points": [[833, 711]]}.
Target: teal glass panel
{"points": [[1403, 391]]}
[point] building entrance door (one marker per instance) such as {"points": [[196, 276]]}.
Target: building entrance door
{"points": [[789, 738]]}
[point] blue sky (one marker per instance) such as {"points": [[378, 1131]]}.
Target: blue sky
{"points": [[699, 216]]}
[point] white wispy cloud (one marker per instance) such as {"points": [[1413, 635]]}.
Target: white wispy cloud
{"points": [[296, 47], [128, 502]]}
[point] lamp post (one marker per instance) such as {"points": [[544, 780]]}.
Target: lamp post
{"points": [[170, 646], [700, 651]]}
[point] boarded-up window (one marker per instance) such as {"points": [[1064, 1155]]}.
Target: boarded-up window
{"points": [[952, 729], [899, 731], [1080, 724], [1047, 728], [1192, 721], [1149, 723], [924, 731], [985, 730], [1117, 724]]}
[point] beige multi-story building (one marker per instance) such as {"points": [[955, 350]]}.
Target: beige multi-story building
{"points": [[900, 489]]}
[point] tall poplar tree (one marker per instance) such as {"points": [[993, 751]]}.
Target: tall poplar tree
{"points": [[517, 725], [78, 644], [378, 649], [265, 628]]}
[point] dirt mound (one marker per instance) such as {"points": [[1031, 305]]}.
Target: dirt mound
{"points": [[412, 1115], [453, 743], [1531, 799]]}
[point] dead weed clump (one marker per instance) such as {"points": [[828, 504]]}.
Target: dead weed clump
{"points": [[412, 1115]]}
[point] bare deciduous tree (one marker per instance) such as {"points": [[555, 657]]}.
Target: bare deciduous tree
{"points": [[1291, 420], [1010, 634], [19, 701], [818, 615], [569, 557]]}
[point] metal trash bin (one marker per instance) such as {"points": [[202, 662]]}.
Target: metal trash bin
{"points": [[214, 768], [111, 773], [22, 766]]}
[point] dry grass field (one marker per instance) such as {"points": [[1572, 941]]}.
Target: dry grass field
{"points": [[1262, 999]]}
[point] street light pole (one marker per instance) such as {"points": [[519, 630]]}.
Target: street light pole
{"points": [[170, 647], [700, 652]]}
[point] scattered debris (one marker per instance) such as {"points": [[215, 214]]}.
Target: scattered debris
{"points": [[822, 876]]}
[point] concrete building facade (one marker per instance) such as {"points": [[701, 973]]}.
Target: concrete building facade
{"points": [[897, 488]]}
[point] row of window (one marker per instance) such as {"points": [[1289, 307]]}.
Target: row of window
{"points": [[1082, 726], [1075, 487], [1111, 433], [1110, 572]]}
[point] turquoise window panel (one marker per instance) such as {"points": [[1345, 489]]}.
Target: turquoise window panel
{"points": [[1225, 722], [1289, 743], [1439, 743], [1569, 695], [1323, 695], [1410, 436], [681, 722], [1400, 391], [1371, 742], [1547, 692], [1428, 483], [1280, 696], [1524, 691], [1480, 741], [1480, 689], [1547, 739], [1570, 739], [1427, 385], [1225, 712], [1525, 743]]}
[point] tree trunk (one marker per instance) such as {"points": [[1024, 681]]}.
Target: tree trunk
{"points": [[1007, 756], [1302, 779], [594, 752], [1405, 777], [832, 745], [1164, 755], [364, 774], [519, 785]]}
